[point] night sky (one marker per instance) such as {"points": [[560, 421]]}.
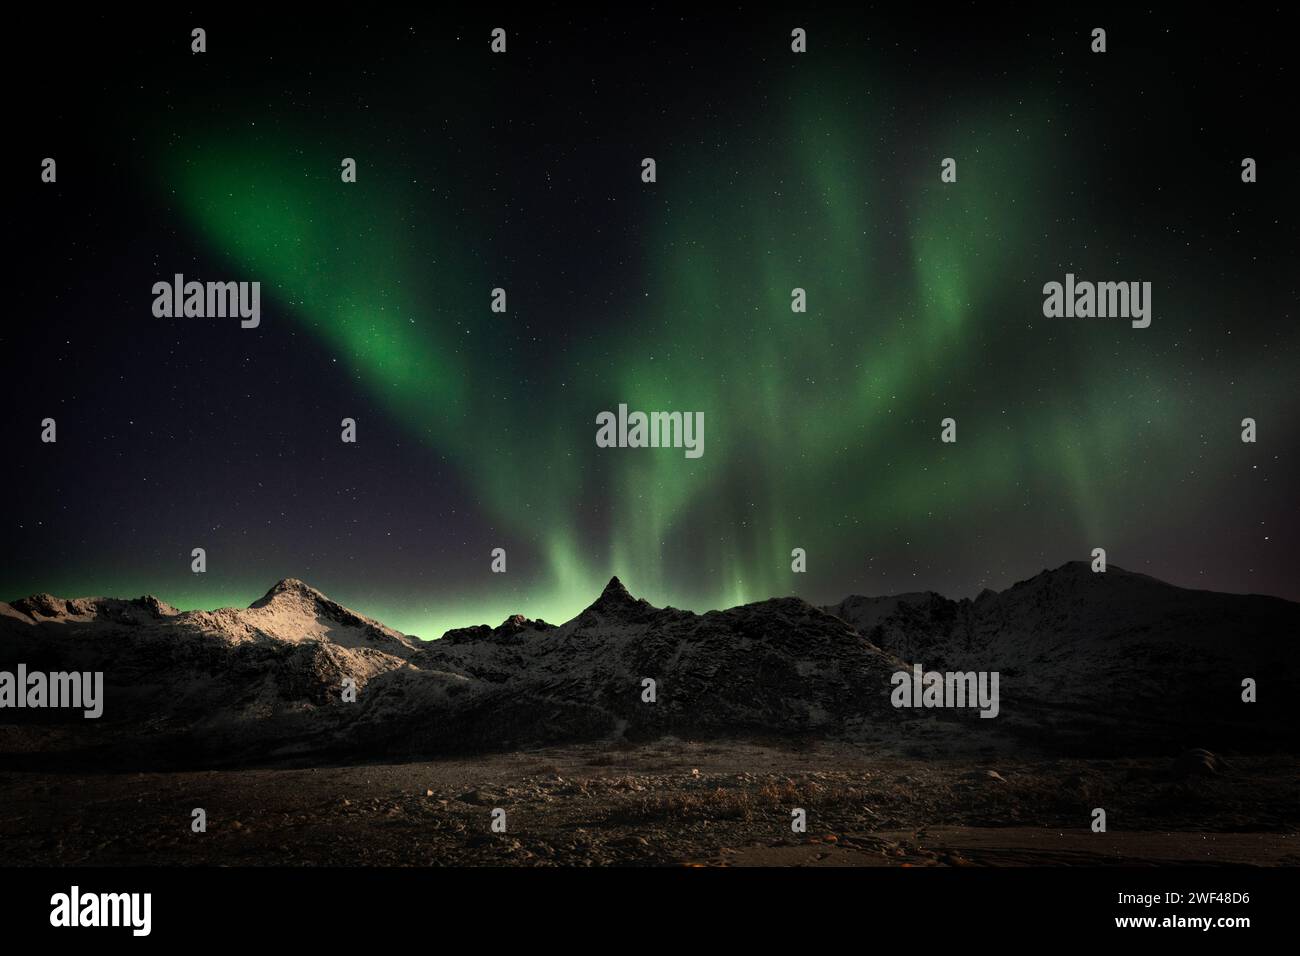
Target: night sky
{"points": [[476, 430]]}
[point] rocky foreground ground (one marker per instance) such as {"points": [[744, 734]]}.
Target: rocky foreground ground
{"points": [[666, 803]]}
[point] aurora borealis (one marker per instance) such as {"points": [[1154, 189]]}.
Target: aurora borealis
{"points": [[774, 171]]}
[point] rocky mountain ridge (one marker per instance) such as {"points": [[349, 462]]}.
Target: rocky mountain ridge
{"points": [[1088, 663]]}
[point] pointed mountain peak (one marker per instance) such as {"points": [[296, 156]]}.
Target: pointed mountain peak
{"points": [[617, 600], [615, 590], [294, 611], [289, 587]]}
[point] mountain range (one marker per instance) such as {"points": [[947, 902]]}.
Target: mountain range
{"points": [[1113, 663]]}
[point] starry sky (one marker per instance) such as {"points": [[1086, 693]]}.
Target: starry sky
{"points": [[476, 430]]}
